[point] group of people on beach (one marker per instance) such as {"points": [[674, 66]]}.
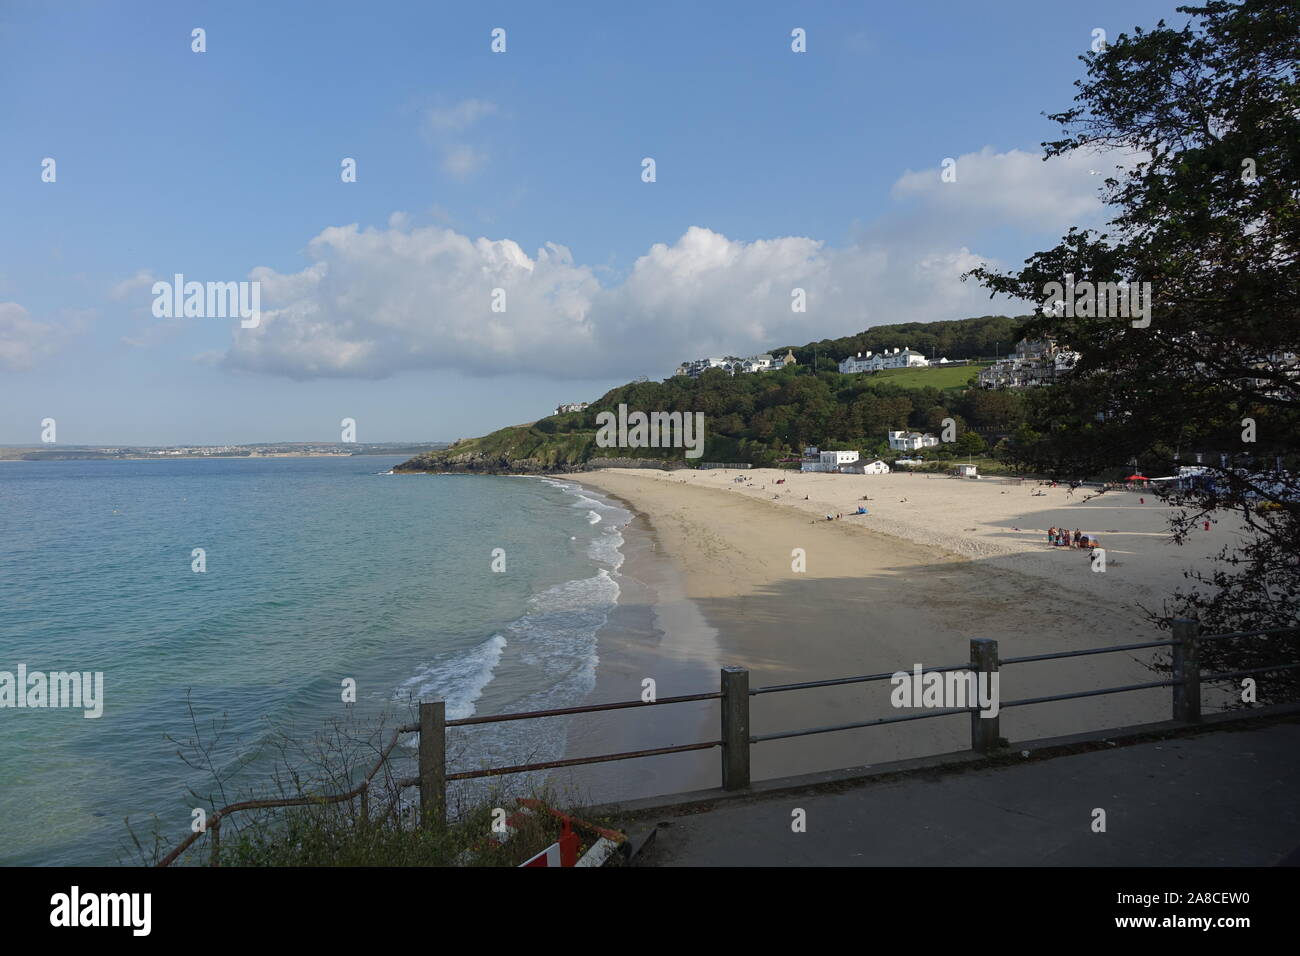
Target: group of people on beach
{"points": [[1064, 538]]}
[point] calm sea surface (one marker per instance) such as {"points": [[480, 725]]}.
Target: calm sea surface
{"points": [[317, 570]]}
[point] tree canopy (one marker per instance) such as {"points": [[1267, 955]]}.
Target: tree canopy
{"points": [[1203, 122]]}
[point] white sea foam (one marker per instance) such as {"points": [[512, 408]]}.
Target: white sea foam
{"points": [[553, 650], [607, 549], [459, 679], [557, 637]]}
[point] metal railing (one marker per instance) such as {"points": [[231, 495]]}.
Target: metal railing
{"points": [[735, 739]]}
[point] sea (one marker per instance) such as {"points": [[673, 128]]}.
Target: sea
{"points": [[233, 603]]}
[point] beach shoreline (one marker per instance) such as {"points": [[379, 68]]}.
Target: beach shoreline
{"points": [[654, 632]]}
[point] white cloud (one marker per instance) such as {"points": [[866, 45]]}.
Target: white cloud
{"points": [[377, 301], [462, 161], [1014, 187], [123, 290], [23, 340], [444, 124], [462, 115]]}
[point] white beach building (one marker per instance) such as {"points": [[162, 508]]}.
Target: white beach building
{"points": [[830, 461], [876, 467]]}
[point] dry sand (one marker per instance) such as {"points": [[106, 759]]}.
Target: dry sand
{"points": [[938, 561]]}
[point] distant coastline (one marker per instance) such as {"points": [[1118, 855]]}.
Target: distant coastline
{"points": [[180, 452]]}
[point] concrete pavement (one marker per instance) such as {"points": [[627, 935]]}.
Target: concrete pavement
{"points": [[1222, 798]]}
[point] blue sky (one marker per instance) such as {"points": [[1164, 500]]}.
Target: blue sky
{"points": [[774, 170]]}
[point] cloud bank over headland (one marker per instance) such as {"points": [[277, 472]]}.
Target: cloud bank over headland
{"points": [[376, 301]]}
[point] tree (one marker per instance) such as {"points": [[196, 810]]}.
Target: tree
{"points": [[970, 443], [1205, 123]]}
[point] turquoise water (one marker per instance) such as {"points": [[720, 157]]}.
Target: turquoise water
{"points": [[317, 570]]}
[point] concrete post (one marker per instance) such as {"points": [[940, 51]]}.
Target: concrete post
{"points": [[735, 728], [433, 763], [984, 731], [1187, 671]]}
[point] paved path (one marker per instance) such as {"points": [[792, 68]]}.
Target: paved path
{"points": [[1225, 798]]}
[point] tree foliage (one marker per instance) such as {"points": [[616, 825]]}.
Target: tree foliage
{"points": [[1204, 123]]}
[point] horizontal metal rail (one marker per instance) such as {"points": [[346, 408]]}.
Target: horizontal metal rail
{"points": [[1253, 670], [835, 681], [213, 822], [1061, 655], [578, 761], [946, 712], [782, 735], [1086, 693], [1057, 655], [1261, 633], [585, 709]]}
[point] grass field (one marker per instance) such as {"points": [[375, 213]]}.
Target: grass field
{"points": [[934, 377]]}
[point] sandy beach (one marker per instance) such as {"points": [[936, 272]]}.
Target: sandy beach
{"points": [[937, 561]]}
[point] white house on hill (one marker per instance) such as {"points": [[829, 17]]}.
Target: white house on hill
{"points": [[733, 365], [1035, 362], [911, 441], [875, 362]]}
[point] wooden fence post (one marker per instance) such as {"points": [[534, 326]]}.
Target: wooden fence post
{"points": [[1187, 671], [433, 763], [214, 832], [984, 731], [735, 728]]}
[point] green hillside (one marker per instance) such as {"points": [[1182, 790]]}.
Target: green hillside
{"points": [[764, 417], [976, 338], [942, 377]]}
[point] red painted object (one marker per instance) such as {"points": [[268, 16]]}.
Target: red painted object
{"points": [[562, 853], [568, 845]]}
